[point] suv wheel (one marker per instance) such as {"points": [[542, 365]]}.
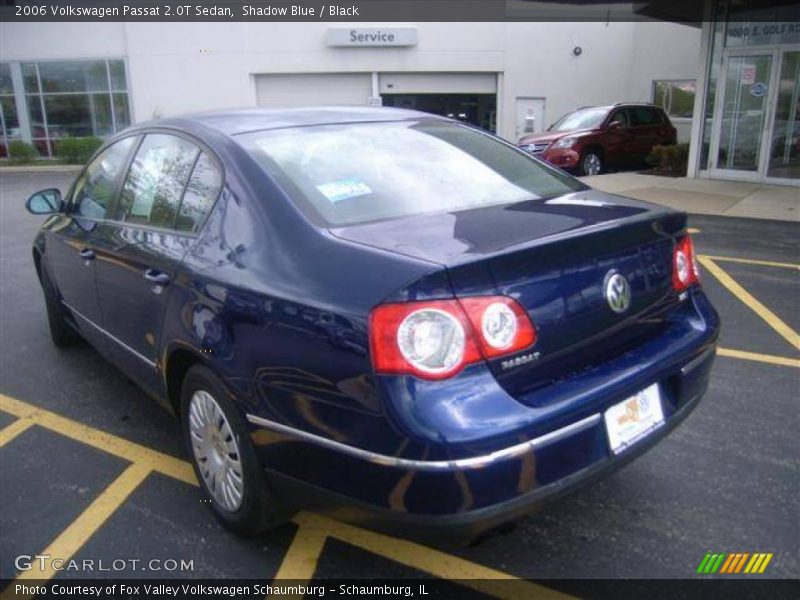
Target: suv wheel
{"points": [[591, 163], [223, 456]]}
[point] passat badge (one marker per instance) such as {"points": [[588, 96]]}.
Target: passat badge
{"points": [[617, 291]]}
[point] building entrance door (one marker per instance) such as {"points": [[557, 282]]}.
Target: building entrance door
{"points": [[756, 129], [741, 124]]}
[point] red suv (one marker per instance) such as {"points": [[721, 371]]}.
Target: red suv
{"points": [[593, 138]]}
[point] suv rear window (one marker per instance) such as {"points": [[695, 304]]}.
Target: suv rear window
{"points": [[353, 173]]}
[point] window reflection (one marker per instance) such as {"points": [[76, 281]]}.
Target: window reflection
{"points": [[201, 192], [94, 190], [154, 186]]}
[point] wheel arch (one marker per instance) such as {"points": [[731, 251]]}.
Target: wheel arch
{"points": [[177, 364], [594, 147]]}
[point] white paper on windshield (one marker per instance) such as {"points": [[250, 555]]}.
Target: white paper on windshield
{"points": [[342, 189]]}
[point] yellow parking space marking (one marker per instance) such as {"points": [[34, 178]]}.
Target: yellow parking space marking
{"points": [[693, 230], [435, 562], [755, 356], [750, 261], [789, 334], [301, 559], [107, 442], [9, 432], [66, 545]]}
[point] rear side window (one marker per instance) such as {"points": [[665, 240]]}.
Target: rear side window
{"points": [[642, 115], [156, 180], [201, 192], [95, 188]]}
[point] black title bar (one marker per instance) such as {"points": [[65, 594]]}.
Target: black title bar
{"points": [[686, 11]]}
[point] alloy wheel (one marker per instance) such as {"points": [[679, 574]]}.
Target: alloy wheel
{"points": [[592, 165], [216, 451]]}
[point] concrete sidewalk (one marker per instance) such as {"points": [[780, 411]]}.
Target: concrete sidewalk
{"points": [[706, 196]]}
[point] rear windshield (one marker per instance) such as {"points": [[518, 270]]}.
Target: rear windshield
{"points": [[345, 174]]}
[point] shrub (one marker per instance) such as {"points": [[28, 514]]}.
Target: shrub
{"points": [[77, 150], [671, 160], [21, 153]]}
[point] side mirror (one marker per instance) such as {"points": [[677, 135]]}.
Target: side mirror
{"points": [[45, 202], [615, 125]]}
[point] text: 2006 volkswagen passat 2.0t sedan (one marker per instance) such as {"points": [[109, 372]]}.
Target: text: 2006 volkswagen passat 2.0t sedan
{"points": [[380, 312]]}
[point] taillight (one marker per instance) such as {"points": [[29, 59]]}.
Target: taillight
{"points": [[502, 324], [685, 271], [436, 339]]}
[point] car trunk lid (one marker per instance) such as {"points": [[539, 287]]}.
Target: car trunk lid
{"points": [[554, 257]]}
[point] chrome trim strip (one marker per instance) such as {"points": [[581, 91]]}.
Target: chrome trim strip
{"points": [[697, 361], [107, 334], [474, 462]]}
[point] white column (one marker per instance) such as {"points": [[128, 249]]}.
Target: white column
{"points": [[22, 102]]}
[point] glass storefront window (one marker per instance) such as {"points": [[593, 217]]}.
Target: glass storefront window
{"points": [[750, 39], [30, 78], [675, 96], [87, 76], [9, 121], [121, 111], [74, 99], [784, 158], [117, 72], [6, 86]]}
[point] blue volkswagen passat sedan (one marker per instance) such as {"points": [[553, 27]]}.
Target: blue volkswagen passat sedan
{"points": [[382, 313]]}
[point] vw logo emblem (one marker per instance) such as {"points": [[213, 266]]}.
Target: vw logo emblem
{"points": [[617, 291]]}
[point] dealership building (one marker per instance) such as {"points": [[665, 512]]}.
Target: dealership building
{"points": [[727, 88]]}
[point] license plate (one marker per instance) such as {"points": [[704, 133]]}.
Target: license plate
{"points": [[632, 419]]}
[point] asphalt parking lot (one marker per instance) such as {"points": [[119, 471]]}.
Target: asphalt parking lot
{"points": [[90, 467]]}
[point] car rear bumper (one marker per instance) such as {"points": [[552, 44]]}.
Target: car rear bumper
{"points": [[471, 490], [462, 527]]}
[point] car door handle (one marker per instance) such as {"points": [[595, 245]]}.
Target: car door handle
{"points": [[156, 277], [87, 254]]}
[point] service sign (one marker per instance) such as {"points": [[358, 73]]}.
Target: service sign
{"points": [[372, 36]]}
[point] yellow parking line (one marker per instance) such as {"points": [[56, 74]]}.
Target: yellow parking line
{"points": [[303, 555], [435, 562], [751, 261], [66, 545], [300, 560], [693, 230], [755, 356], [789, 334], [107, 442], [9, 432]]}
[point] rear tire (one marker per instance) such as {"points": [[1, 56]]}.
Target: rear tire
{"points": [[224, 459], [61, 332], [591, 163]]}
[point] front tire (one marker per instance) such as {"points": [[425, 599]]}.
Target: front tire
{"points": [[591, 163], [224, 458], [61, 332]]}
